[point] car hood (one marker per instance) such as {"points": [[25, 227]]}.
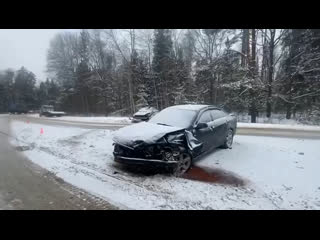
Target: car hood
{"points": [[144, 132], [145, 111]]}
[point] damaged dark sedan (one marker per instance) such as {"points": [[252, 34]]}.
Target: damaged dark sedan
{"points": [[175, 137]]}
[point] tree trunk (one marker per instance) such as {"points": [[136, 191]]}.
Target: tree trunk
{"points": [[245, 47], [253, 115], [289, 110], [131, 103], [156, 95], [253, 106], [269, 103], [211, 89], [264, 57], [131, 77], [253, 50], [270, 71], [216, 89], [294, 112]]}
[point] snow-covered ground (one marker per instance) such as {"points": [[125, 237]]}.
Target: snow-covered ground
{"points": [[278, 173], [276, 118], [121, 120], [278, 126], [277, 121], [125, 120]]}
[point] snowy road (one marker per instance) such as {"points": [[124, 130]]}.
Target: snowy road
{"points": [[68, 123], [24, 185], [271, 173], [274, 130]]}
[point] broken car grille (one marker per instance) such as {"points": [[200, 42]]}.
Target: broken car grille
{"points": [[150, 152]]}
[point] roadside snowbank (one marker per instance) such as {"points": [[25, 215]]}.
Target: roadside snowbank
{"points": [[122, 120], [280, 118], [290, 125], [277, 126], [279, 173]]}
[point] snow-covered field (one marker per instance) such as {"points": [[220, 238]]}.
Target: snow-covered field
{"points": [[125, 120], [278, 173], [278, 126], [122, 120], [276, 118]]}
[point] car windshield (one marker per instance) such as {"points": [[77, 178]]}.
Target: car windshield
{"points": [[48, 108], [174, 117]]}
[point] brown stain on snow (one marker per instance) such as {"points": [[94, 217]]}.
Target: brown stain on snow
{"points": [[213, 175]]}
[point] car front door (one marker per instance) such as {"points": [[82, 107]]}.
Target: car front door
{"points": [[219, 127], [204, 135]]}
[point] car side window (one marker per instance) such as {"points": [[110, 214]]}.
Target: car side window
{"points": [[205, 117], [217, 114]]}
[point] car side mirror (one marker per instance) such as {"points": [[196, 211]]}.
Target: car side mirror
{"points": [[201, 125]]}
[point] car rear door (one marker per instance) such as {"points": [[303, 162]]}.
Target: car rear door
{"points": [[219, 127], [204, 134]]}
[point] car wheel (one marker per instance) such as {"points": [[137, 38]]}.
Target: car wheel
{"points": [[229, 139], [183, 164]]}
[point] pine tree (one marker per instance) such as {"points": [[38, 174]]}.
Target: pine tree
{"points": [[181, 78], [6, 89], [83, 73], [162, 66], [24, 88], [299, 85]]}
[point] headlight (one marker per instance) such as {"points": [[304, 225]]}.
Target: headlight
{"points": [[178, 138]]}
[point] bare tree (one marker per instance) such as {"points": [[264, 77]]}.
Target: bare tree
{"points": [[112, 35]]}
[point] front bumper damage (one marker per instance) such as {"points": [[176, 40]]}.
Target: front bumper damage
{"points": [[163, 152], [143, 161]]}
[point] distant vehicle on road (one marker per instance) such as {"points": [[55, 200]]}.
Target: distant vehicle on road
{"points": [[18, 109], [175, 137], [48, 111], [144, 114]]}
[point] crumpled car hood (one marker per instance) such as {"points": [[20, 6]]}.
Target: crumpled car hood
{"points": [[142, 132]]}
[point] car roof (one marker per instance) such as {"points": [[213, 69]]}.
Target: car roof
{"points": [[192, 107], [147, 108]]}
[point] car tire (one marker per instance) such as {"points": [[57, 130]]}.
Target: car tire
{"points": [[229, 140], [183, 164]]}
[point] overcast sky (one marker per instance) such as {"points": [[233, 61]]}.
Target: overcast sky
{"points": [[26, 47]]}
